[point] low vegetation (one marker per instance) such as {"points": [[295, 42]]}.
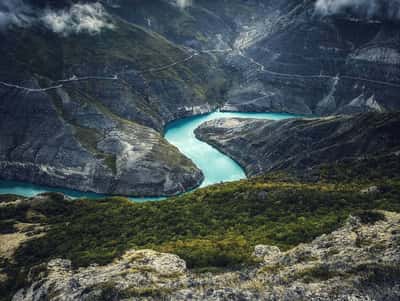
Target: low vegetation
{"points": [[215, 227]]}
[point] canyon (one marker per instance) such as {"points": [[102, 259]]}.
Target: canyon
{"points": [[199, 150], [84, 89]]}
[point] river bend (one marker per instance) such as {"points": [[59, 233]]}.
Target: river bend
{"points": [[215, 166]]}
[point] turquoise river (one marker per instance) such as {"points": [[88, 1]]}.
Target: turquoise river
{"points": [[216, 166]]}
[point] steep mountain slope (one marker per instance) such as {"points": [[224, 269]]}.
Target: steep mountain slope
{"points": [[194, 27], [303, 62], [155, 61], [131, 64], [77, 111], [284, 55], [301, 144], [202, 24]]}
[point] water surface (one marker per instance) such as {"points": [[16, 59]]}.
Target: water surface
{"points": [[216, 166]]}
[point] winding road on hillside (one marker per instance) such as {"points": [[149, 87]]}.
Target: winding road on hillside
{"points": [[194, 53]]}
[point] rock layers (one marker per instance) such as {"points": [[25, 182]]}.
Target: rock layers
{"points": [[65, 97], [300, 144]]}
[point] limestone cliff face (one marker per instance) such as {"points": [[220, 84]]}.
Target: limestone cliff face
{"points": [[82, 113], [300, 144], [297, 61], [86, 147], [359, 261], [283, 55]]}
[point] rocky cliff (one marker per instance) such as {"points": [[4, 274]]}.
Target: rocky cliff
{"points": [[359, 261], [299, 60], [300, 144], [86, 110]]}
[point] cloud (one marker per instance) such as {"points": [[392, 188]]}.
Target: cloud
{"points": [[369, 9], [78, 18], [183, 3], [90, 18]]}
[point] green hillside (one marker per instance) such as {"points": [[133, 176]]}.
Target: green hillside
{"points": [[215, 227]]}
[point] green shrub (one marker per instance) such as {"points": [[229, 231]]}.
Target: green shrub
{"points": [[370, 217]]}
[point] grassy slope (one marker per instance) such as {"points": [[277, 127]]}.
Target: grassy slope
{"points": [[196, 23], [201, 21], [212, 227]]}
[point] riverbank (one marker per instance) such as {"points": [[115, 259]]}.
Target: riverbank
{"points": [[299, 145], [215, 166]]}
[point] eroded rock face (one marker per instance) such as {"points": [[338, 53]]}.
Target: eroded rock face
{"points": [[299, 144], [135, 270], [87, 149], [65, 136], [266, 252], [296, 60], [359, 261], [100, 127]]}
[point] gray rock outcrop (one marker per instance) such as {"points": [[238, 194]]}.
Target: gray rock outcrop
{"points": [[300, 144], [359, 261], [87, 149], [299, 61]]}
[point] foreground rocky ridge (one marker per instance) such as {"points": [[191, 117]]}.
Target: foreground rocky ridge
{"points": [[224, 228], [300, 144], [359, 261]]}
